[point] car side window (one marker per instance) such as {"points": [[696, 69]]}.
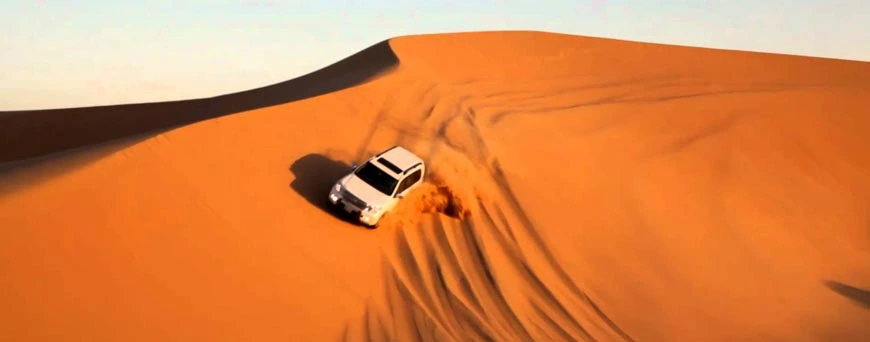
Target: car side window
{"points": [[402, 186], [409, 181], [413, 178]]}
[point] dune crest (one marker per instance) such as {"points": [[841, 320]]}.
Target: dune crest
{"points": [[578, 189], [35, 133]]}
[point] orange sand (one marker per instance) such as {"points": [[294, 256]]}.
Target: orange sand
{"points": [[581, 189]]}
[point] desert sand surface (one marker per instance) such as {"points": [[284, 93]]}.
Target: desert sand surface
{"points": [[579, 189]]}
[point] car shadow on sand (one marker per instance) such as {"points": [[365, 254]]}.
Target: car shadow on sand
{"points": [[860, 297], [313, 175]]}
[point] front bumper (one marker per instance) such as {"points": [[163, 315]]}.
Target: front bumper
{"points": [[360, 214]]}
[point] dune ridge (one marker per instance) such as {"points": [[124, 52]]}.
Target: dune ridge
{"points": [[35, 133], [579, 189]]}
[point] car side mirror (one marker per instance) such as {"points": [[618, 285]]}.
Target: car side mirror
{"points": [[353, 165], [400, 196]]}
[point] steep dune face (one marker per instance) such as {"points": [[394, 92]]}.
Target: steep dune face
{"points": [[580, 189], [35, 133]]}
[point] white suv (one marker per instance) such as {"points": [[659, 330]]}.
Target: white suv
{"points": [[375, 187]]}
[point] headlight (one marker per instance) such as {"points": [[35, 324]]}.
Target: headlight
{"points": [[373, 208], [337, 187]]}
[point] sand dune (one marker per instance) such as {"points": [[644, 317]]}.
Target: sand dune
{"points": [[580, 189], [24, 133]]}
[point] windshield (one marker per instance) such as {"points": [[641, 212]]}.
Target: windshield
{"points": [[377, 178]]}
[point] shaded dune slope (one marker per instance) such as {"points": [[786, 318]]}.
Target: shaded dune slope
{"points": [[579, 189], [33, 133]]}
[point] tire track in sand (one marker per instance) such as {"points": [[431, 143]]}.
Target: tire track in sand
{"points": [[486, 277]]}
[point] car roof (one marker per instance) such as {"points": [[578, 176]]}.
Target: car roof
{"points": [[398, 159]]}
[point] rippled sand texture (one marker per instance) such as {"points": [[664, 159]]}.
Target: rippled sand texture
{"points": [[579, 189]]}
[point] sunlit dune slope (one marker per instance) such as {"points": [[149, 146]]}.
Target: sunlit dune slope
{"points": [[580, 189]]}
